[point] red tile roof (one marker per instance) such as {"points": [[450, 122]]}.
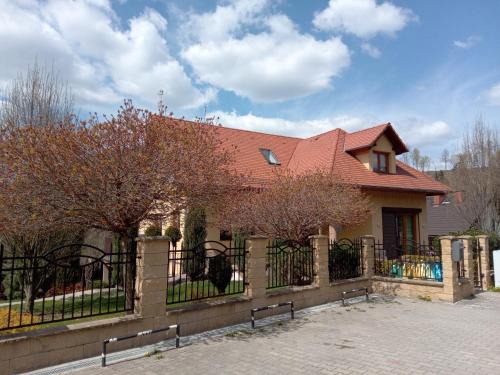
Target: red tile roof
{"points": [[330, 151]]}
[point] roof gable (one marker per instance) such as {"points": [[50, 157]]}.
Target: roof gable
{"points": [[367, 138]]}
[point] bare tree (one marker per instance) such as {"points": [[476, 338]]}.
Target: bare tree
{"points": [[425, 163], [293, 207], [445, 158], [116, 173], [477, 175], [415, 157], [36, 98]]}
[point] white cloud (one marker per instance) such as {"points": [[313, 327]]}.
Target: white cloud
{"points": [[419, 133], [102, 61], [276, 125], [363, 18], [371, 50], [493, 95], [468, 42], [275, 63], [225, 20]]}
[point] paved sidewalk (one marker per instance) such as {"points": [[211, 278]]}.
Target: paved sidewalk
{"points": [[387, 336]]}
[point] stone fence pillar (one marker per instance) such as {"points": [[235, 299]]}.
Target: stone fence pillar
{"points": [[320, 244], [454, 289], [151, 276], [449, 269], [485, 260], [368, 249], [256, 263]]}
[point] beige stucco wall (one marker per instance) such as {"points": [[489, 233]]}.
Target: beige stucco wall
{"points": [[383, 145], [379, 199], [364, 157]]}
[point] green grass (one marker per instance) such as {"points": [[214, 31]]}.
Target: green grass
{"points": [[77, 307], [494, 289], [198, 290]]}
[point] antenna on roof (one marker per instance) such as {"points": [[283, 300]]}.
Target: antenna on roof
{"points": [[161, 107]]}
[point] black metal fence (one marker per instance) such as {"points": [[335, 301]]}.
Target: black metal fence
{"points": [[289, 263], [210, 269], [476, 263], [410, 260], [345, 259], [72, 281]]}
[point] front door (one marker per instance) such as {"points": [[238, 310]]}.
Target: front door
{"points": [[399, 230]]}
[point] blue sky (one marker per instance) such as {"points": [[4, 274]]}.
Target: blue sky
{"points": [[286, 67]]}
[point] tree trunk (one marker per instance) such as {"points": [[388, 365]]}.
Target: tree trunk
{"points": [[29, 286], [129, 246]]}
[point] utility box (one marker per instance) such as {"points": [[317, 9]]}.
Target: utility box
{"points": [[457, 251], [496, 267]]}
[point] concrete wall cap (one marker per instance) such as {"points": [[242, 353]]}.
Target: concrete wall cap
{"points": [[482, 236], [257, 237], [144, 238], [318, 236], [464, 237], [446, 237]]}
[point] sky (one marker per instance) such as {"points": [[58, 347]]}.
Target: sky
{"points": [[288, 67]]}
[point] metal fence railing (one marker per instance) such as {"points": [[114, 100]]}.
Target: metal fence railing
{"points": [[210, 269], [289, 263], [72, 281], [345, 259], [410, 260]]}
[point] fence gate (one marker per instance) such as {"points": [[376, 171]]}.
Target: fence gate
{"points": [[476, 256]]}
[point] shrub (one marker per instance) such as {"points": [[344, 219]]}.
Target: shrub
{"points": [[174, 234], [219, 272], [194, 234], [344, 263], [152, 231]]}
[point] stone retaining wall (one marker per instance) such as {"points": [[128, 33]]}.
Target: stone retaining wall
{"points": [[51, 346]]}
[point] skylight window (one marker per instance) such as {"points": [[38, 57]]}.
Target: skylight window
{"points": [[270, 156]]}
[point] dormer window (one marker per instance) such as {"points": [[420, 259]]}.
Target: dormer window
{"points": [[270, 156], [380, 162]]}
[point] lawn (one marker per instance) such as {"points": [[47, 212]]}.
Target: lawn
{"points": [[54, 312], [190, 291], [67, 308]]}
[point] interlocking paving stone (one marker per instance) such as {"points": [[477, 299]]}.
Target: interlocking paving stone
{"points": [[385, 336]]}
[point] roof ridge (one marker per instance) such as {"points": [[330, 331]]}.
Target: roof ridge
{"points": [[221, 126], [340, 131], [370, 128], [321, 134]]}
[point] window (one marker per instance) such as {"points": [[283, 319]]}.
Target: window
{"points": [[270, 157], [380, 162]]}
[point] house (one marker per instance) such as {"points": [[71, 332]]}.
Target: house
{"points": [[366, 158], [444, 215]]}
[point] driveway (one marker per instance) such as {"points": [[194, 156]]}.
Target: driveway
{"points": [[385, 336]]}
